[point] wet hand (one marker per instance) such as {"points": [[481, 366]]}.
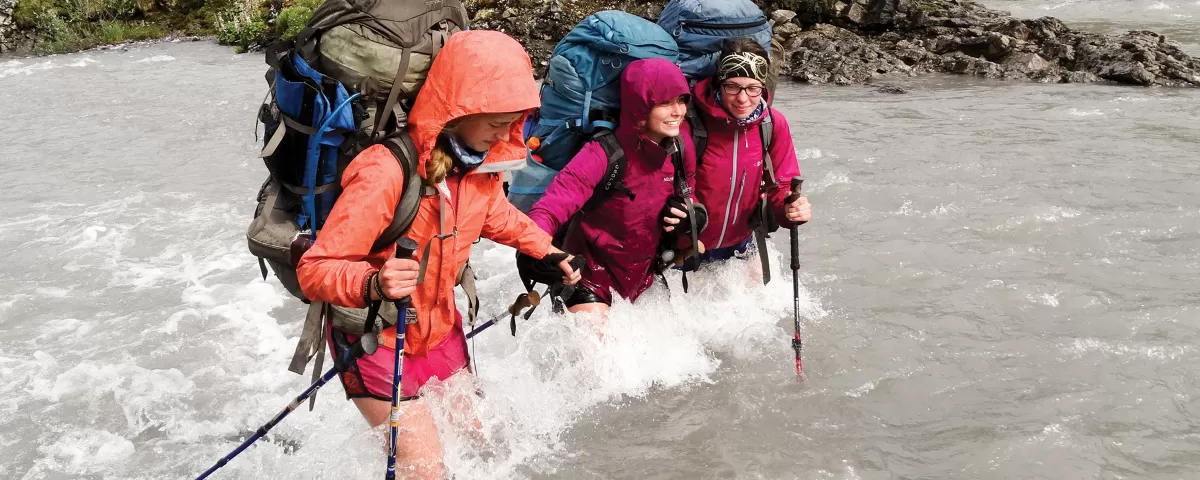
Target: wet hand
{"points": [[799, 210], [672, 218], [398, 277], [572, 274]]}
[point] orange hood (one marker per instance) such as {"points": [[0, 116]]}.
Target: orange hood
{"points": [[477, 71]]}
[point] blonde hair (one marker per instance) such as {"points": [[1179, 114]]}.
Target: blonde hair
{"points": [[438, 166], [440, 162]]}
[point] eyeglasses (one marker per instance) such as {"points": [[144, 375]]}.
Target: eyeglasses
{"points": [[733, 89]]}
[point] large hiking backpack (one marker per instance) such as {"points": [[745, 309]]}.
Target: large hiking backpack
{"points": [[345, 83], [581, 93], [701, 26]]}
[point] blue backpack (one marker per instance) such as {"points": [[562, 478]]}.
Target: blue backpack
{"points": [[700, 26], [581, 94]]}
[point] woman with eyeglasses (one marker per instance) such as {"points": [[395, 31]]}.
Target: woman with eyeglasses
{"points": [[731, 176]]}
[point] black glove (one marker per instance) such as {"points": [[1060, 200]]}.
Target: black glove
{"points": [[684, 227], [546, 271]]}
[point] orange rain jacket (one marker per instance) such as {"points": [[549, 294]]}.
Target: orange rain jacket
{"points": [[477, 71]]}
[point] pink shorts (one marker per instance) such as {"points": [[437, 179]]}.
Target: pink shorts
{"points": [[371, 375]]}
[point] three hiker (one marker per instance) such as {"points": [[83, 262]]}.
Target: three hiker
{"points": [[656, 185]]}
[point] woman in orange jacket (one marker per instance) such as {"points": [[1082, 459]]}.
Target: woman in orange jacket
{"points": [[466, 126]]}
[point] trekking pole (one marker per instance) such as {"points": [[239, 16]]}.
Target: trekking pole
{"points": [[796, 342], [404, 249], [524, 300], [365, 346]]}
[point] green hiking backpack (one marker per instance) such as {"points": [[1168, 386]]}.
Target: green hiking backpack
{"points": [[344, 84]]}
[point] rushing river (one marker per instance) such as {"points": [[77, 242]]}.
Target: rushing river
{"points": [[998, 283]]}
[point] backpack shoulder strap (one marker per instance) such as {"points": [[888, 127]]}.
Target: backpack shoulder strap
{"points": [[401, 146], [699, 130], [614, 174], [766, 130], [684, 192], [682, 189], [612, 181]]}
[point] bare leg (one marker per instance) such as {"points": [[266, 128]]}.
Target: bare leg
{"points": [[375, 411], [755, 269], [418, 451], [601, 313], [589, 308], [462, 404]]}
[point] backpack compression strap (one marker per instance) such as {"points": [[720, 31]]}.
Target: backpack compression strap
{"points": [[438, 39]]}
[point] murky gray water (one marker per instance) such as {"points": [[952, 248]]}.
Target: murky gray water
{"points": [[1178, 20], [999, 283], [1008, 270]]}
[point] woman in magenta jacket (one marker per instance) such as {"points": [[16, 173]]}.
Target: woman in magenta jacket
{"points": [[619, 236], [733, 106]]}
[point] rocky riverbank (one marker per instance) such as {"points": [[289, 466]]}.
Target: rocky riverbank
{"points": [[825, 41], [817, 41], [873, 37]]}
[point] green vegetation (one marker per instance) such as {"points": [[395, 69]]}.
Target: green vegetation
{"points": [[71, 25], [292, 19]]}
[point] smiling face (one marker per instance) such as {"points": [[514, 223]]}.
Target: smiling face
{"points": [[665, 118], [740, 96], [482, 131]]}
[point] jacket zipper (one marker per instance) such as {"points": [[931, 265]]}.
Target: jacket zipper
{"points": [[732, 184], [737, 206]]}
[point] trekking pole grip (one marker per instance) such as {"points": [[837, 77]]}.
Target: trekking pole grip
{"points": [[796, 185], [405, 248]]}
